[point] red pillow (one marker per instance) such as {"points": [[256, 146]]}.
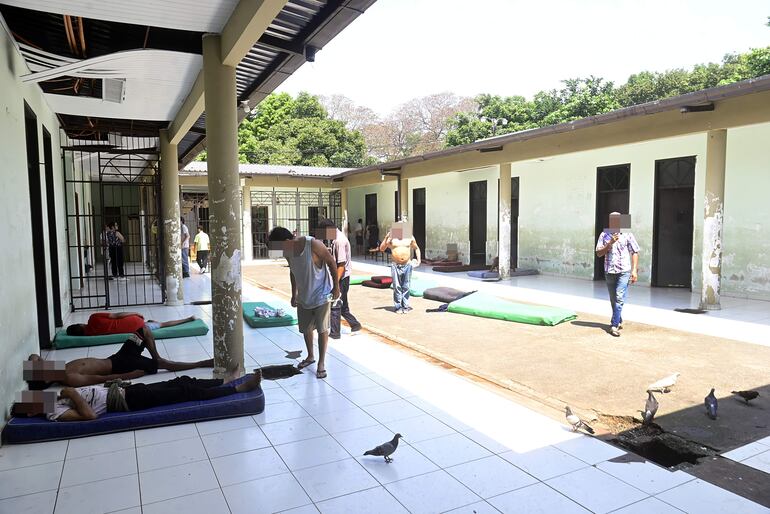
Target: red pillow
{"points": [[376, 285], [383, 279]]}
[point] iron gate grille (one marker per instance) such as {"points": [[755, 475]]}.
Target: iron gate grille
{"points": [[113, 181]]}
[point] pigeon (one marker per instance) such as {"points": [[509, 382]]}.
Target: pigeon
{"points": [[293, 354], [664, 385], [711, 404], [747, 395], [576, 422], [385, 449], [650, 408]]}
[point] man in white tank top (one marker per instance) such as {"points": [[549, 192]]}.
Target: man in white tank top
{"points": [[314, 287]]}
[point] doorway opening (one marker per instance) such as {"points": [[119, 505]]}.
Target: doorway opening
{"points": [[418, 217], [477, 222], [612, 195], [673, 222], [53, 240], [514, 223]]}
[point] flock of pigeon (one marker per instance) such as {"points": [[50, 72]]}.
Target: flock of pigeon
{"points": [[664, 385]]}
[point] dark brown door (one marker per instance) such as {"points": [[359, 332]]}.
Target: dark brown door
{"points": [[612, 195], [418, 217], [477, 222], [53, 240], [673, 225], [371, 208], [514, 223]]}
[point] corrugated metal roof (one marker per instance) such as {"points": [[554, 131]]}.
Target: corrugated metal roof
{"points": [[198, 168]]}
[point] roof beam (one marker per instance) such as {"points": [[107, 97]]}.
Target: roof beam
{"points": [[246, 25]]}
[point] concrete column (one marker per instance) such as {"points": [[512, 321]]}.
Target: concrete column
{"points": [[224, 209], [172, 251], [248, 248], [344, 207], [716, 147], [403, 201], [273, 213], [297, 213], [504, 223]]}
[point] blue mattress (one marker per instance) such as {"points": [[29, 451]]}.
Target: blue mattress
{"points": [[37, 429], [487, 275]]}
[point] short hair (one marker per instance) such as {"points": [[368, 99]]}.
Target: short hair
{"points": [[37, 385], [280, 234], [360, 220], [78, 329], [326, 223], [200, 227], [181, 219]]}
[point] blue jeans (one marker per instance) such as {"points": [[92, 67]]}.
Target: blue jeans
{"points": [[402, 276], [617, 285], [186, 261]]}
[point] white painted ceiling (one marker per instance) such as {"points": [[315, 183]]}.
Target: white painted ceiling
{"points": [[194, 15]]}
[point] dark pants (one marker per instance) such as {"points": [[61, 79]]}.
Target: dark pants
{"points": [[181, 389], [203, 258], [343, 310], [617, 286], [116, 259]]}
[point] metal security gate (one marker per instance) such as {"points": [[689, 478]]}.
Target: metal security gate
{"points": [[113, 183]]}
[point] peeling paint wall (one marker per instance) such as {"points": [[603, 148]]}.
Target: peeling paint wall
{"points": [[18, 313], [746, 230]]}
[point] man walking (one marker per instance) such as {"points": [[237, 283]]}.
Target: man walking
{"points": [[185, 234], [358, 231], [314, 287], [202, 246], [621, 256], [341, 252]]}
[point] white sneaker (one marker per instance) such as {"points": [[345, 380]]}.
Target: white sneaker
{"points": [[614, 332]]}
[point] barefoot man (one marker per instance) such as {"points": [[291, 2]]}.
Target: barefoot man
{"points": [[402, 265]]}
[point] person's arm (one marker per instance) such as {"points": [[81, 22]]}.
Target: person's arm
{"points": [[120, 236], [293, 289], [81, 380], [602, 251], [385, 242], [121, 315], [417, 254], [80, 410], [634, 263], [326, 257]]}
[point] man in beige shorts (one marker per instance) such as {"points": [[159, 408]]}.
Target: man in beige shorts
{"points": [[314, 287]]}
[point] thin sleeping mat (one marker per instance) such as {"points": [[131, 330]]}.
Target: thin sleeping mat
{"points": [[196, 327], [417, 286], [254, 321], [461, 267], [375, 285], [488, 306], [485, 275], [444, 294], [37, 429], [356, 280]]}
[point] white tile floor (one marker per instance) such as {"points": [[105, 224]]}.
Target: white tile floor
{"points": [[464, 449]]}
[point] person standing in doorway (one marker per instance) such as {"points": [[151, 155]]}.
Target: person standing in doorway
{"points": [[185, 235], [314, 288], [340, 248], [358, 232], [401, 267], [115, 242], [621, 256], [202, 246]]}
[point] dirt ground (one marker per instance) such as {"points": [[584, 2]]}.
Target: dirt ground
{"points": [[579, 364]]}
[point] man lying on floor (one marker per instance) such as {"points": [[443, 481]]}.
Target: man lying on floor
{"points": [[88, 403], [126, 364]]}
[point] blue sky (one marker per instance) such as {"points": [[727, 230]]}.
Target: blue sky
{"points": [[401, 49]]}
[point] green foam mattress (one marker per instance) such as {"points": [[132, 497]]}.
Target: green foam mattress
{"points": [[417, 286], [290, 318], [356, 280], [488, 306], [192, 328]]}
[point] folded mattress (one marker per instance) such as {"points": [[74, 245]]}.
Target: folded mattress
{"points": [[485, 275], [37, 429], [196, 327], [461, 267], [488, 306], [375, 285], [444, 294]]}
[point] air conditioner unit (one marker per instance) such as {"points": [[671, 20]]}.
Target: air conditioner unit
{"points": [[114, 90]]}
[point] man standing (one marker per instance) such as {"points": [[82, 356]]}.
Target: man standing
{"points": [[314, 287], [621, 256], [202, 243], [341, 252], [401, 267], [115, 242], [185, 233], [358, 231]]}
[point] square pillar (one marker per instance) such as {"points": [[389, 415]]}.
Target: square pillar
{"points": [[403, 198], [344, 206], [504, 222], [172, 251], [224, 209], [713, 218], [248, 245]]}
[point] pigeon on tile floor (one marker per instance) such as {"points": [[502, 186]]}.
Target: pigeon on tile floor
{"points": [[650, 408], [385, 449], [664, 385], [293, 354], [747, 395], [576, 422], [711, 404]]}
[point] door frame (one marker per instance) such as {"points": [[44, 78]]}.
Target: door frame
{"points": [[597, 228], [471, 219], [53, 239]]}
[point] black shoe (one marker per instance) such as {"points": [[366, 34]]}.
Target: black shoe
{"points": [[185, 275], [355, 328], [335, 336]]}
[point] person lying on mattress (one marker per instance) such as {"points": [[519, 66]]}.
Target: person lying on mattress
{"points": [[127, 363], [88, 403], [105, 323]]}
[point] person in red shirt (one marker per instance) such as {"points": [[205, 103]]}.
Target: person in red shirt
{"points": [[104, 323]]}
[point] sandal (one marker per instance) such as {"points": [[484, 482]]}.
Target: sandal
{"points": [[305, 363], [321, 373]]}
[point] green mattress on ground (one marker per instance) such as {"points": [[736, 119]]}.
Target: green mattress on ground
{"points": [[356, 280], [488, 306], [418, 286], [197, 327], [290, 318]]}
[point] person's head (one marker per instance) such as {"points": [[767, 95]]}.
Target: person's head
{"points": [[34, 403], [619, 221], [279, 234], [360, 220], [327, 230], [182, 220], [200, 228], [39, 373], [78, 329]]}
